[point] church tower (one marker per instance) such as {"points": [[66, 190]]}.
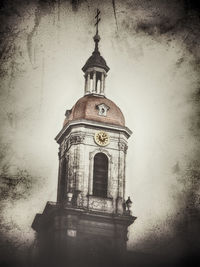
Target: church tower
{"points": [[91, 213]]}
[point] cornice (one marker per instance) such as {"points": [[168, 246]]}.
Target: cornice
{"points": [[90, 123]]}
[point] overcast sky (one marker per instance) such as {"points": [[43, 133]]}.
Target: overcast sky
{"points": [[152, 49]]}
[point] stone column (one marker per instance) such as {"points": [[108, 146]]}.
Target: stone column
{"points": [[121, 173], [88, 84], [59, 179], [71, 167], [90, 180], [94, 82], [85, 87], [104, 78], [101, 84], [121, 177]]}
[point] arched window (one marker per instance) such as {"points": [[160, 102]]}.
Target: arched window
{"points": [[100, 175]]}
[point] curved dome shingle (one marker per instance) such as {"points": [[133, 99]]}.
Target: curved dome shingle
{"points": [[86, 108]]}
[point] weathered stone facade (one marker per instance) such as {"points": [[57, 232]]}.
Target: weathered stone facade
{"points": [[78, 147]]}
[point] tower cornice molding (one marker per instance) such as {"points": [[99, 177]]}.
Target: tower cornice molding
{"points": [[94, 124]]}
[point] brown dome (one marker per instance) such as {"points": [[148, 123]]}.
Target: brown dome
{"points": [[86, 108]]}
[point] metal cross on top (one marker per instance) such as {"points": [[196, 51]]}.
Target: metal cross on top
{"points": [[97, 20]]}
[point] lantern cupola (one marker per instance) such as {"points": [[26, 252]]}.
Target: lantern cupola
{"points": [[95, 68]]}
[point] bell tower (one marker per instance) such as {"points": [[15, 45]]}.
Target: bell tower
{"points": [[91, 214]]}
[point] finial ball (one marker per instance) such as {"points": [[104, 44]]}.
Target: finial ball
{"points": [[96, 38]]}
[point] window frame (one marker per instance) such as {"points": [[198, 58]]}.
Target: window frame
{"points": [[100, 175], [90, 181]]}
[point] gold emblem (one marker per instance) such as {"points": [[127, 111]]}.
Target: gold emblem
{"points": [[102, 138]]}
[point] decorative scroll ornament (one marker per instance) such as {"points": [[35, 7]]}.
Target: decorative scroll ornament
{"points": [[104, 205], [123, 146], [72, 140], [76, 139]]}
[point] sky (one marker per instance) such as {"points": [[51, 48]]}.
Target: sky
{"points": [[152, 49]]}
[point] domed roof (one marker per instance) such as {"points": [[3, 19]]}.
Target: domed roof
{"points": [[87, 108], [96, 60]]}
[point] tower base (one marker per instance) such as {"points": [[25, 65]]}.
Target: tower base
{"points": [[74, 235]]}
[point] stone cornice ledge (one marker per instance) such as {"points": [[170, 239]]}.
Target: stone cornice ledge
{"points": [[125, 129]]}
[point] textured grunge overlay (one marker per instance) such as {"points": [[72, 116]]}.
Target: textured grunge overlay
{"points": [[153, 50]]}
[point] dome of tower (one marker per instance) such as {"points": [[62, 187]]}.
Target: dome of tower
{"points": [[95, 108], [96, 60]]}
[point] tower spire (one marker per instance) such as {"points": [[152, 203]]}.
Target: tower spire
{"points": [[97, 37], [95, 68], [97, 20]]}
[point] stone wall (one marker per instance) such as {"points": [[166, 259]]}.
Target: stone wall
{"points": [[79, 148]]}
